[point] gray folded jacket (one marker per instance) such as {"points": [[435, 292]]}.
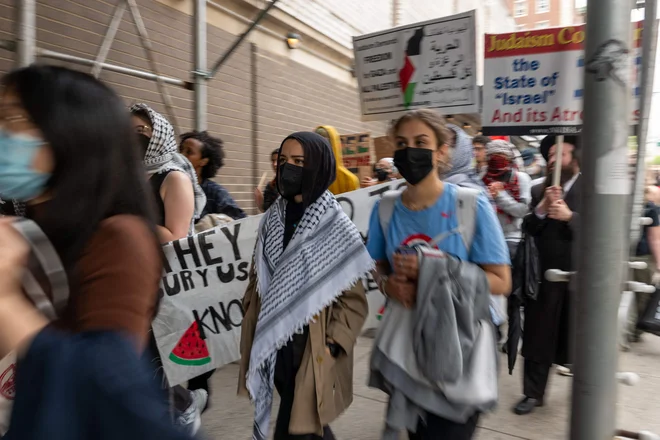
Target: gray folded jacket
{"points": [[452, 296], [441, 356]]}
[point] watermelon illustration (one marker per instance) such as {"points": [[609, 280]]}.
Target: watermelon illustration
{"points": [[191, 349]]}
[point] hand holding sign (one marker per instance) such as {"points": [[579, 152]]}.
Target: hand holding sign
{"points": [[551, 195], [559, 210]]}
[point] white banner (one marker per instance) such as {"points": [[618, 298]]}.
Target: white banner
{"points": [[533, 81], [198, 325], [423, 65]]}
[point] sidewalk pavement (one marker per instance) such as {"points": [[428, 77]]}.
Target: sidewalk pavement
{"points": [[230, 417]]}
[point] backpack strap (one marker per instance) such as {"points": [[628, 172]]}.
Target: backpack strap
{"points": [[466, 214], [51, 264], [386, 208]]}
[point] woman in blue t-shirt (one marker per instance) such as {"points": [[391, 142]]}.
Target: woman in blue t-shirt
{"points": [[425, 209]]}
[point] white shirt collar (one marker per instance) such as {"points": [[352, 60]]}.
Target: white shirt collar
{"points": [[568, 185]]}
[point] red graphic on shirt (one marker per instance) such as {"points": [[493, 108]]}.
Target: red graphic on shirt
{"points": [[417, 240], [8, 383], [445, 215]]}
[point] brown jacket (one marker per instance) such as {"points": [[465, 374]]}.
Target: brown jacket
{"points": [[116, 280], [324, 385]]}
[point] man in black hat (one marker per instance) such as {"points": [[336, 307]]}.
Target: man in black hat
{"points": [[554, 225]]}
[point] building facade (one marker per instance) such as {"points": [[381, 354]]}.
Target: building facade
{"points": [[539, 14], [265, 90]]}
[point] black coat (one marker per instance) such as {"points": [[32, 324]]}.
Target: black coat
{"points": [[547, 319]]}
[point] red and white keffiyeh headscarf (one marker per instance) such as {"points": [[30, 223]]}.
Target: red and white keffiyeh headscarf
{"points": [[501, 162]]}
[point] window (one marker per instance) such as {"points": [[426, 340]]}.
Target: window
{"points": [[519, 8], [542, 24], [542, 6], [521, 27]]}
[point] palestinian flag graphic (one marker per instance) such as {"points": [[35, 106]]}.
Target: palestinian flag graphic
{"points": [[413, 51], [380, 313]]}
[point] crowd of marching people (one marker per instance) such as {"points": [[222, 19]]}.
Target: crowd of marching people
{"points": [[91, 190]]}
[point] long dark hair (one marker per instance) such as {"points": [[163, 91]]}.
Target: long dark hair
{"points": [[97, 173]]}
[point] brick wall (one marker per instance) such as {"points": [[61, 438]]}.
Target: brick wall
{"points": [[532, 19], [290, 96]]}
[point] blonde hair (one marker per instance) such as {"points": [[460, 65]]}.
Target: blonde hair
{"points": [[430, 118]]}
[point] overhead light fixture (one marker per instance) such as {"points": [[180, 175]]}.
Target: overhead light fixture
{"points": [[467, 125], [450, 117], [292, 40]]}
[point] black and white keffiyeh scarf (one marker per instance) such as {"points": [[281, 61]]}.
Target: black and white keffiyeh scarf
{"points": [[325, 257], [163, 155]]}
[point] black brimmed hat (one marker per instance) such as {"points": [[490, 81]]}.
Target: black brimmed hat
{"points": [[551, 140]]}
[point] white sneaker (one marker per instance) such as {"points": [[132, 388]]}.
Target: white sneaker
{"points": [[191, 419]]}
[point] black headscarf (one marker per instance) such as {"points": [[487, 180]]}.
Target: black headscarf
{"points": [[319, 172]]}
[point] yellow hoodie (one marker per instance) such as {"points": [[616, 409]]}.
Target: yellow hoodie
{"points": [[345, 181]]}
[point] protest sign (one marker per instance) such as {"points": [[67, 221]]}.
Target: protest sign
{"points": [[533, 81], [423, 65], [384, 147], [355, 150], [205, 276]]}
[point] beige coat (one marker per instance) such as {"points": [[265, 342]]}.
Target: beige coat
{"points": [[324, 385]]}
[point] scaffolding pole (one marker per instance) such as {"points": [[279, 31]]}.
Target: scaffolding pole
{"points": [[45, 53], [201, 89], [26, 32], [302, 48], [240, 39], [109, 37], [603, 235], [148, 48]]}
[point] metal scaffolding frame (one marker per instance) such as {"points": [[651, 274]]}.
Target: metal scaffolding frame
{"points": [[26, 49]]}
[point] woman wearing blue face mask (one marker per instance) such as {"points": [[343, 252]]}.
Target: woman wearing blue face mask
{"points": [[68, 151]]}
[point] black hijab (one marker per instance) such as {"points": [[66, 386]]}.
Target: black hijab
{"points": [[319, 172]]}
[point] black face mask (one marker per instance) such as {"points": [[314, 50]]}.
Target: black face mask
{"points": [[414, 164], [382, 175], [290, 181], [144, 143]]}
